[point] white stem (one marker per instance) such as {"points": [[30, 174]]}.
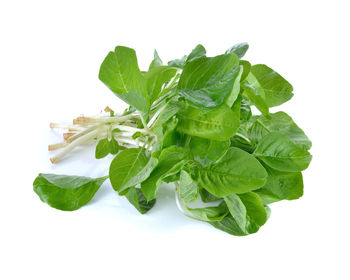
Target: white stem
{"points": [[129, 128], [64, 126], [74, 144], [82, 133], [155, 116]]}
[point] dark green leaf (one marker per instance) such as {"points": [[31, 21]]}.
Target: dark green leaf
{"points": [[130, 167], [197, 52], [137, 198], [278, 122], [281, 185], [207, 82], [256, 97], [218, 124], [171, 161], [66, 192], [206, 151], [246, 68], [280, 153], [236, 172], [207, 196]]}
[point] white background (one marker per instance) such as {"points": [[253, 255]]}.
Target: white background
{"points": [[50, 53]]}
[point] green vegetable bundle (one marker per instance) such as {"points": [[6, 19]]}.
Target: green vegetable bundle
{"points": [[190, 123]]}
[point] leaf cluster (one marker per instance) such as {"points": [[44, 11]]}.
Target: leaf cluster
{"points": [[198, 131]]}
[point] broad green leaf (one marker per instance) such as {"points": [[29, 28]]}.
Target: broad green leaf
{"points": [[247, 210], [206, 151], [228, 224], [218, 124], [170, 109], [130, 167], [137, 198], [239, 49], [120, 72], [208, 214], [281, 185], [207, 82], [256, 97], [188, 189], [278, 122], [171, 161], [156, 61], [279, 152], [66, 192], [155, 78], [102, 148], [277, 90], [236, 172]]}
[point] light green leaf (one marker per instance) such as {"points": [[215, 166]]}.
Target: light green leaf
{"points": [[277, 90], [156, 77], [246, 68], [197, 52], [208, 214], [66, 192], [102, 148], [236, 172], [171, 161], [188, 189], [239, 49], [130, 167], [207, 196], [256, 97], [207, 82], [218, 124], [137, 198], [113, 146], [156, 61], [280, 153], [120, 72]]}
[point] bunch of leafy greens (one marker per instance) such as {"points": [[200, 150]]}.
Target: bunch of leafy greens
{"points": [[190, 122]]}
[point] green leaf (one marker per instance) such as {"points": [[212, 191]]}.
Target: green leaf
{"points": [[246, 68], [218, 124], [245, 110], [102, 148], [236, 172], [277, 90], [248, 215], [278, 122], [113, 146], [156, 61], [281, 185], [208, 214], [130, 167], [239, 49], [171, 161], [156, 77], [120, 72], [207, 196], [197, 52], [188, 189], [66, 192], [137, 198], [280, 153], [256, 97], [206, 151], [247, 210], [207, 82]]}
